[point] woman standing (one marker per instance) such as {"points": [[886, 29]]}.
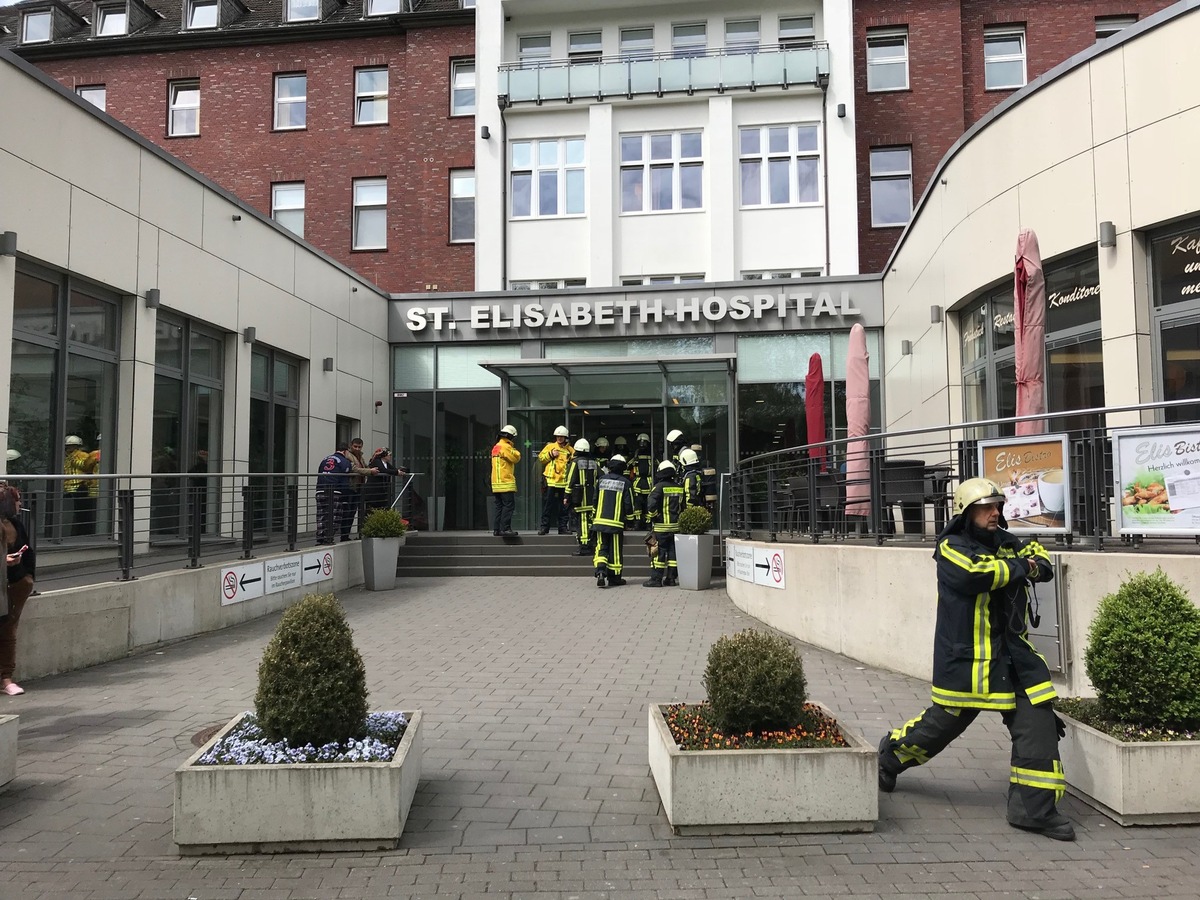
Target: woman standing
{"points": [[20, 563], [377, 492]]}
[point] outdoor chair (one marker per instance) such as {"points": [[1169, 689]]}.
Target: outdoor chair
{"points": [[903, 482]]}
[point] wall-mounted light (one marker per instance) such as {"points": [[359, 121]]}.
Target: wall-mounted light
{"points": [[935, 315], [1108, 234], [8, 243], [153, 298], [841, 110], [327, 364], [236, 217], [250, 334], [485, 132], [906, 348]]}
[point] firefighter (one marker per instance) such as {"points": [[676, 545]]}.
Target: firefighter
{"points": [[614, 509], [581, 492], [601, 453], [662, 510], [675, 443], [642, 474], [555, 459], [505, 457], [982, 659], [691, 477]]}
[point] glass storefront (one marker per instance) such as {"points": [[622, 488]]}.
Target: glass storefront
{"points": [[274, 444], [1175, 258]]}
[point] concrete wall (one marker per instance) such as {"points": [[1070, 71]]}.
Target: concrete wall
{"points": [[879, 605], [71, 629]]}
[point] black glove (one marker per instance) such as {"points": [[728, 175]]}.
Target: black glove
{"points": [[1060, 726], [1020, 569]]}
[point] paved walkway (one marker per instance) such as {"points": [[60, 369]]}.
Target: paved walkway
{"points": [[536, 783]]}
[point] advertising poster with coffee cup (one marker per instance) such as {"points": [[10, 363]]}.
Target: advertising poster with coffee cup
{"points": [[1035, 476], [1157, 475]]}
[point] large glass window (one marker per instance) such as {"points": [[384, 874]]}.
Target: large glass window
{"points": [[1175, 260], [548, 177], [291, 101], [662, 171], [1003, 57], [274, 444], [780, 165], [887, 59]]}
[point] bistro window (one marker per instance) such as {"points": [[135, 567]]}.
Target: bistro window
{"points": [[1175, 258]]}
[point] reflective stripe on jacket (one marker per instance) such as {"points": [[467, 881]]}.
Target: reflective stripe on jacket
{"points": [[981, 642], [556, 466], [664, 506], [504, 460], [693, 488], [581, 482], [642, 473], [614, 503]]}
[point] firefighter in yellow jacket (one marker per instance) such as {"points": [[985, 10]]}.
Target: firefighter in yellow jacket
{"points": [[505, 457], [555, 459], [983, 659]]}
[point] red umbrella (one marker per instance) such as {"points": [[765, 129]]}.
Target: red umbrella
{"points": [[814, 409], [858, 421], [1029, 307]]}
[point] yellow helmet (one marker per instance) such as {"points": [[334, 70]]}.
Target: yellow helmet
{"points": [[976, 490]]}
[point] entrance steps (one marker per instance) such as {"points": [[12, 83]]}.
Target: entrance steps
{"points": [[440, 553]]}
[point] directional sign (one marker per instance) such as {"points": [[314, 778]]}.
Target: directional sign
{"points": [[241, 583], [317, 566], [768, 567], [282, 573], [740, 563]]}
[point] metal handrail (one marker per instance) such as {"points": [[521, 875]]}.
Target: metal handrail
{"points": [[655, 55]]}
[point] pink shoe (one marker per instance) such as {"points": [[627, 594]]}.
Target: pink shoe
{"points": [[12, 689]]}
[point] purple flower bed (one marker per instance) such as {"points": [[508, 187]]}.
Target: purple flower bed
{"points": [[246, 745]]}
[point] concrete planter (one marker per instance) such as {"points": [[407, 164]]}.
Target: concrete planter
{"points": [[694, 554], [8, 748], [380, 557], [764, 791], [1142, 783], [296, 807]]}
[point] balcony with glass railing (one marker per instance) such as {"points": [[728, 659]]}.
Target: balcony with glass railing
{"points": [[660, 74]]}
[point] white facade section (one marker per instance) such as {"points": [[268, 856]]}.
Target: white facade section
{"points": [[1109, 140], [707, 229]]}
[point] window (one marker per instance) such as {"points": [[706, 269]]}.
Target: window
{"points": [[891, 186], [584, 47], [796, 32], [467, 4], [1003, 58], [887, 59], [781, 275], [462, 87], [111, 21], [94, 94], [383, 7], [462, 206], [662, 171], [548, 177], [303, 10], [291, 101], [1107, 26], [35, 27], [688, 40], [370, 214], [287, 206], [533, 50], [202, 14], [371, 96], [780, 165], [184, 108], [558, 284], [741, 36], [632, 280], [637, 43]]}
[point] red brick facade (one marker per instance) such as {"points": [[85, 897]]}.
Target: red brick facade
{"points": [[239, 149], [946, 94]]}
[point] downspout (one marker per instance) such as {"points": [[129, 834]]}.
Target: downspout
{"points": [[503, 102], [823, 84]]}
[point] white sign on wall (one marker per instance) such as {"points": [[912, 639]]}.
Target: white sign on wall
{"points": [[740, 562], [757, 565], [241, 583], [282, 573], [317, 567]]}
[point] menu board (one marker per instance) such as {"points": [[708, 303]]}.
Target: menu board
{"points": [[1157, 473], [1034, 474]]}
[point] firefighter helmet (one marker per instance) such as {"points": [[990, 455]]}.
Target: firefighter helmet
{"points": [[643, 437], [688, 457], [509, 431], [582, 446], [601, 443], [674, 435], [666, 466], [561, 431], [976, 490]]}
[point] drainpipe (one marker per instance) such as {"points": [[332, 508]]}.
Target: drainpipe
{"points": [[823, 84], [503, 102]]}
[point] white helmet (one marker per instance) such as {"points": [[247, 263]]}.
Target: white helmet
{"points": [[617, 458], [13, 453], [561, 431], [74, 440], [644, 437], [509, 430], [582, 446], [601, 443], [688, 457], [620, 442], [666, 465], [673, 436]]}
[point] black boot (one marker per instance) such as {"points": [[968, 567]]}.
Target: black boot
{"points": [[670, 580], [887, 779], [600, 575], [1058, 827], [656, 579], [615, 580], [584, 550], [543, 530]]}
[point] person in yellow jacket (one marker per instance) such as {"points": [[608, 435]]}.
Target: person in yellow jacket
{"points": [[505, 457], [555, 459], [81, 493]]}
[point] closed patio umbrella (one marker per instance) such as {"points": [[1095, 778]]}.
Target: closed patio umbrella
{"points": [[814, 409], [858, 421], [1029, 308]]}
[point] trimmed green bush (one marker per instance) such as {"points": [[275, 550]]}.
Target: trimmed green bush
{"points": [[1143, 654], [384, 523], [312, 685], [695, 520], [755, 682]]}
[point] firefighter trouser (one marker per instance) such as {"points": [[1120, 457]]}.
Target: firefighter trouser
{"points": [[608, 551], [1035, 781], [640, 499], [585, 517], [666, 553]]}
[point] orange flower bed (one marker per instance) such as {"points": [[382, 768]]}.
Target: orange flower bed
{"points": [[693, 728]]}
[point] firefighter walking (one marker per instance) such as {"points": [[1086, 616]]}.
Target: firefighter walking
{"points": [[614, 510], [662, 512], [582, 475]]}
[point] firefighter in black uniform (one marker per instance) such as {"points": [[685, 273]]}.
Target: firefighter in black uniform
{"points": [[662, 512], [614, 510], [642, 473], [581, 492], [675, 443], [982, 659], [691, 477]]}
